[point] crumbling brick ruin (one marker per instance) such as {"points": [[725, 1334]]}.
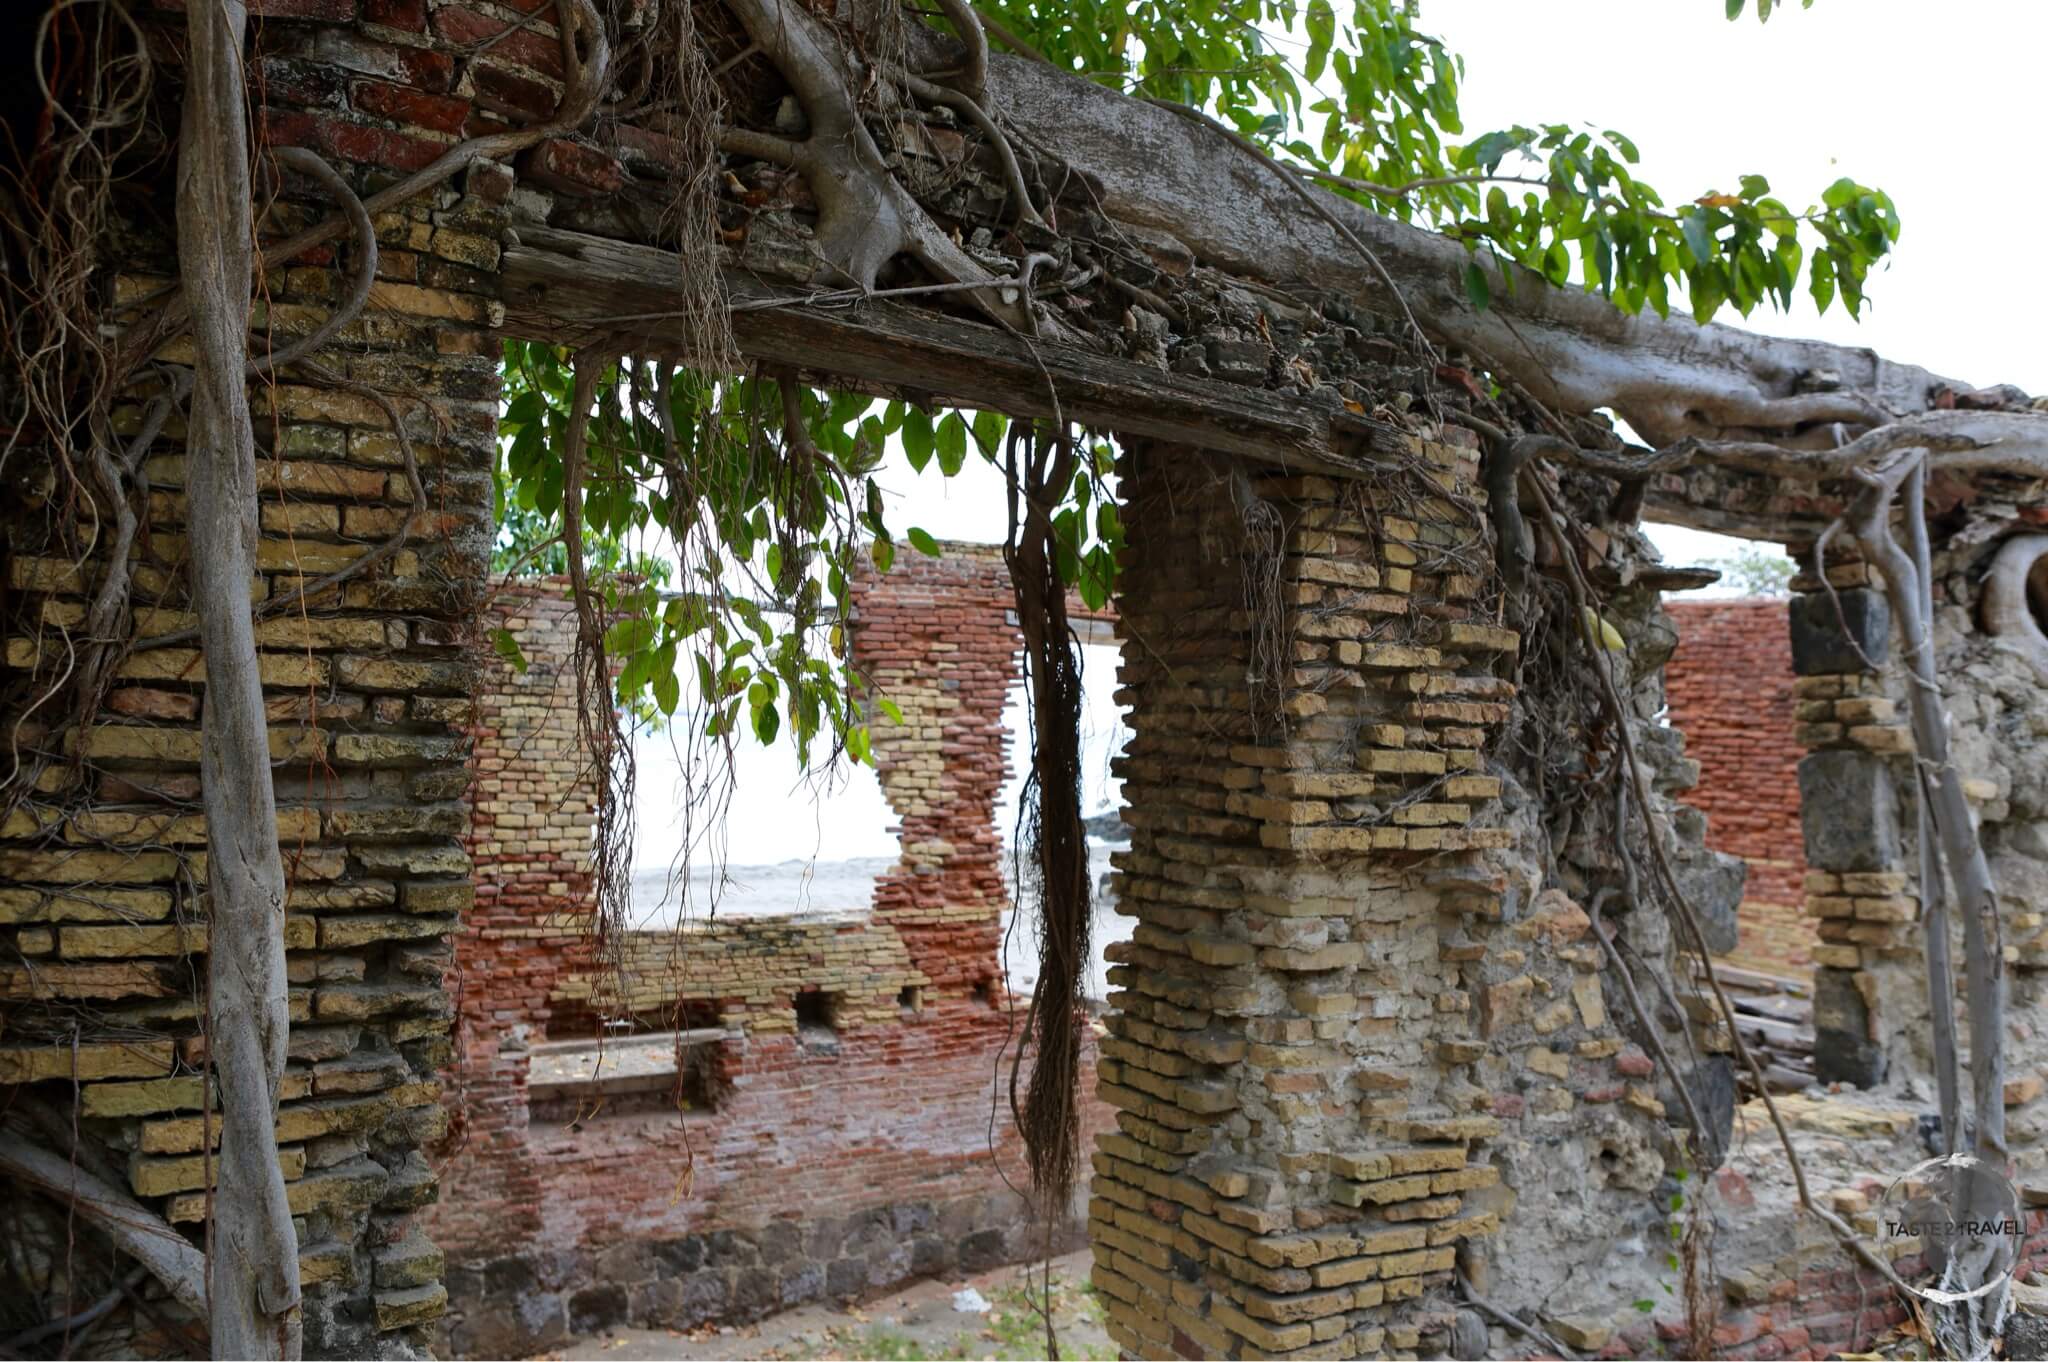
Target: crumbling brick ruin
{"points": [[1402, 1053], [804, 1105]]}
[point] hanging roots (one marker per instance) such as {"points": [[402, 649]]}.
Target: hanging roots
{"points": [[599, 728], [693, 113], [1053, 837], [1271, 647]]}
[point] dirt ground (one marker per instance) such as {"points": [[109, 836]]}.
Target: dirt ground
{"points": [[918, 1322]]}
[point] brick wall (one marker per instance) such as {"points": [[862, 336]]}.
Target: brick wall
{"points": [[935, 636], [1730, 688], [815, 1162], [102, 905], [1812, 1304]]}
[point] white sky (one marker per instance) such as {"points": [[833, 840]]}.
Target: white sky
{"points": [[1936, 105]]}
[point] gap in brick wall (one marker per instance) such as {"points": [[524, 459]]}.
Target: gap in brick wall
{"points": [[794, 843], [1104, 730], [1729, 689], [791, 842], [590, 1069]]}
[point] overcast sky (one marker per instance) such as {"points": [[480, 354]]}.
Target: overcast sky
{"points": [[1937, 105]]}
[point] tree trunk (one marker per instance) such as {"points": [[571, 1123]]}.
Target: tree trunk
{"points": [[1975, 897], [253, 1266], [1941, 975]]}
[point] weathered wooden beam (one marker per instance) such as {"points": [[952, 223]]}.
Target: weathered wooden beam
{"points": [[576, 289]]}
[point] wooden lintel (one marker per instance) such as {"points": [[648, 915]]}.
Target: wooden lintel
{"points": [[576, 289]]}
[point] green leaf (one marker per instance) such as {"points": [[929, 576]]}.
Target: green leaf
{"points": [[668, 692], [952, 443], [924, 543], [1646, 1306], [627, 636], [989, 427], [507, 647], [917, 437], [1321, 23], [1476, 288], [1822, 285], [1699, 234], [1487, 152]]}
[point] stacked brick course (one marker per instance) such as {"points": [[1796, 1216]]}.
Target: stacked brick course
{"points": [[937, 636], [1319, 1014], [102, 872], [1730, 688], [103, 869], [1871, 1013], [1858, 890]]}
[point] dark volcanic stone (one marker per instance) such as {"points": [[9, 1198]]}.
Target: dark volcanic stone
{"points": [[1819, 644]]}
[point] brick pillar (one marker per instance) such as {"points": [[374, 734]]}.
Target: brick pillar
{"points": [[1292, 1042], [1854, 800]]}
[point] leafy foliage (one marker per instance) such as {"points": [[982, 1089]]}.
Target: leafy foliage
{"points": [[1763, 8], [1755, 572], [725, 550], [726, 542], [1374, 101]]}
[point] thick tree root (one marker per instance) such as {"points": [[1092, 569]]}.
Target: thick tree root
{"points": [[2007, 611], [135, 1229], [1669, 378], [865, 217]]}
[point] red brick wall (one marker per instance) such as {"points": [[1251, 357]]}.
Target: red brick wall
{"points": [[826, 1166], [1729, 686], [933, 636]]}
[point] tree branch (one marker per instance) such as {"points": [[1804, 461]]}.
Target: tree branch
{"points": [[357, 216], [1008, 39], [587, 80], [2009, 442], [1291, 178], [865, 217], [254, 1300], [762, 147], [1393, 192]]}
